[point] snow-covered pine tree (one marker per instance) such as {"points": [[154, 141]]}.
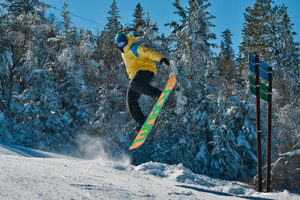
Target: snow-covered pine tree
{"points": [[225, 59], [176, 40], [105, 49], [36, 91], [256, 33], [6, 119], [113, 20], [17, 34], [211, 129], [107, 52], [18, 7], [234, 142], [139, 24], [195, 51], [39, 117], [268, 32], [192, 59], [285, 81], [148, 33], [285, 55], [199, 30], [149, 25], [70, 84], [4, 41], [225, 62], [111, 117], [183, 18], [90, 68], [66, 16]]}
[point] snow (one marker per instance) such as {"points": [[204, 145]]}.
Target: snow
{"points": [[31, 174], [290, 154]]}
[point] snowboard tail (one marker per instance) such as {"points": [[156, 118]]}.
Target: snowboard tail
{"points": [[142, 135]]}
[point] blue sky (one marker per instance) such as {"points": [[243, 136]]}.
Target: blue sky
{"points": [[229, 14]]}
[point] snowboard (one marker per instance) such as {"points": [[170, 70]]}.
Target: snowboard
{"points": [[142, 135]]}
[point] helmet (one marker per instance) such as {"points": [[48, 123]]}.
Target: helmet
{"points": [[121, 39]]}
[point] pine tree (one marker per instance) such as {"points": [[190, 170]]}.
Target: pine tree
{"points": [[105, 50], [225, 162], [66, 16], [86, 49], [6, 86], [196, 37], [150, 34], [69, 90], [69, 33], [225, 60], [268, 32], [18, 7], [183, 18], [255, 33], [226, 49], [139, 24], [43, 91], [13, 80], [286, 55], [113, 25], [150, 27], [190, 105], [204, 137], [285, 80], [110, 118], [195, 40], [39, 114]]}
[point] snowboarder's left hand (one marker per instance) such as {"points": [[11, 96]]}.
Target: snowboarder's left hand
{"points": [[164, 61]]}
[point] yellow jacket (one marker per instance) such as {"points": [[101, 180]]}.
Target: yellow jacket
{"points": [[138, 57]]}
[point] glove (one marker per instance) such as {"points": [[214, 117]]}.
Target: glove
{"points": [[164, 61]]}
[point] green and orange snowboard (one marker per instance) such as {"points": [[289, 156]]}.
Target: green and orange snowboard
{"points": [[141, 137]]}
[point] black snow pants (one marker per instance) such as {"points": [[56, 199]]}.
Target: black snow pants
{"points": [[140, 84]]}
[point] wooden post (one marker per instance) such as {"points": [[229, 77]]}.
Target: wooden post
{"points": [[258, 127], [268, 179]]}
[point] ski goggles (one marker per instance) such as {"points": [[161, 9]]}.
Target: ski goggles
{"points": [[122, 44]]}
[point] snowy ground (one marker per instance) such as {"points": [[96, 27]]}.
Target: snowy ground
{"points": [[29, 174]]}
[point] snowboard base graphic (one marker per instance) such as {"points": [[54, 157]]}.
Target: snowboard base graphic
{"points": [[142, 135]]}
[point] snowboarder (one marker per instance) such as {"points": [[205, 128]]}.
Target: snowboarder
{"points": [[141, 69]]}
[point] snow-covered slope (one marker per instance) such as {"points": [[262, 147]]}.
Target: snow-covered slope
{"points": [[31, 174]]}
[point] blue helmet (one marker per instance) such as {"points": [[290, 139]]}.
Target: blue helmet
{"points": [[121, 39]]}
